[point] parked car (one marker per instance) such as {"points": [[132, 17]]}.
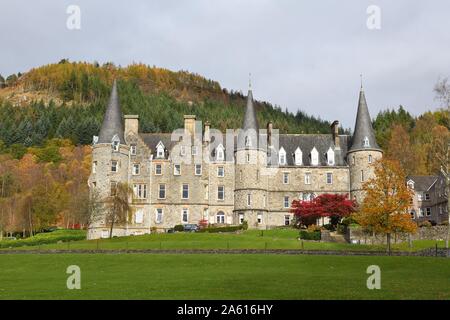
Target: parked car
{"points": [[190, 228]]}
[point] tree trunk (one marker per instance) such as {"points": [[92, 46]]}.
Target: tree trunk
{"points": [[112, 227], [373, 237], [388, 238]]}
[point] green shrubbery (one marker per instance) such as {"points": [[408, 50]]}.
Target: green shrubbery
{"points": [[314, 235], [221, 229], [46, 238], [179, 228]]}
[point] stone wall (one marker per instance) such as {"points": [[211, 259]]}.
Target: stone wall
{"points": [[423, 233]]}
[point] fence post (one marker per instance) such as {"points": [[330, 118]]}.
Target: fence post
{"points": [[303, 246]]}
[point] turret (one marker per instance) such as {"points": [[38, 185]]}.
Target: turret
{"points": [[251, 182], [110, 156], [364, 150]]}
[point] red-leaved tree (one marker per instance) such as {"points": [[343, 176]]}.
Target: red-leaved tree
{"points": [[333, 206]]}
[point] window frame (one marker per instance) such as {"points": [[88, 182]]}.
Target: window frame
{"points": [[162, 190], [175, 172], [183, 191], [219, 192]]}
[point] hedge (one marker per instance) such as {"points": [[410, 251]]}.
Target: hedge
{"points": [[46, 238], [221, 229], [305, 235]]}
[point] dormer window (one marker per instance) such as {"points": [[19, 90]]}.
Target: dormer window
{"points": [[366, 142], [314, 157], [282, 157], [330, 157], [220, 156], [298, 157], [160, 150], [411, 184], [133, 149], [115, 143]]}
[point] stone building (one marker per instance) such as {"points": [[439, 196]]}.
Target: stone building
{"points": [[250, 174], [430, 199]]}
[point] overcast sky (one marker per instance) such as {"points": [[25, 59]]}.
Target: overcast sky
{"points": [[302, 54]]}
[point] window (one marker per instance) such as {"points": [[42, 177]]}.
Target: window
{"points": [[159, 215], [94, 167], [282, 157], [198, 169], [298, 157], [427, 196], [366, 142], [264, 201], [219, 153], [248, 157], [220, 193], [314, 157], [133, 150], [139, 216], [114, 166], [257, 175], [182, 151], [220, 172], [353, 160], [177, 170], [185, 191], [308, 178], [413, 214], [248, 141], [158, 169], [329, 178], [113, 188], [140, 191], [287, 220], [94, 184], [160, 152], [260, 218], [220, 218], [136, 169], [249, 199], [362, 175], [421, 212], [162, 191], [419, 197], [115, 145], [330, 157], [194, 150], [185, 216], [428, 212], [241, 218], [370, 158], [286, 203]]}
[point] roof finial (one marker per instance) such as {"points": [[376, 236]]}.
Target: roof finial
{"points": [[250, 81], [361, 81]]}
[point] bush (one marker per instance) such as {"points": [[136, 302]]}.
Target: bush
{"points": [[313, 228], [426, 224], [46, 238], [179, 228], [315, 235], [245, 225], [329, 227], [221, 229]]}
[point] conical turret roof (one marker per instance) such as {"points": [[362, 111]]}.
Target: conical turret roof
{"points": [[112, 122]]}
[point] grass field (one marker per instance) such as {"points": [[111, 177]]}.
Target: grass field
{"points": [[250, 239], [155, 276]]}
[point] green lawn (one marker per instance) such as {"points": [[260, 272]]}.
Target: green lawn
{"points": [[154, 276], [250, 239]]}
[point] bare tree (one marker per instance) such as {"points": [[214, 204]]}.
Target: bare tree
{"points": [[118, 205], [442, 91]]}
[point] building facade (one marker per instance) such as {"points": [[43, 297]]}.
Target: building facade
{"points": [[251, 175], [430, 199]]}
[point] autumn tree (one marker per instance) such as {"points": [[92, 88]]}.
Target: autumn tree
{"points": [[399, 148], [386, 203], [118, 208], [332, 206]]}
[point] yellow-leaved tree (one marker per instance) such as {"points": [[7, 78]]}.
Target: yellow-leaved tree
{"points": [[386, 203]]}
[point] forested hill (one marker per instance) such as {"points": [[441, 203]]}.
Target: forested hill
{"points": [[67, 100]]}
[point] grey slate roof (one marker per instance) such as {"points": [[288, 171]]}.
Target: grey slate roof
{"points": [[112, 121], [363, 127], [250, 120], [306, 143], [423, 183]]}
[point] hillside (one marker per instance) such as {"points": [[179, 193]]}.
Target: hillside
{"points": [[67, 100]]}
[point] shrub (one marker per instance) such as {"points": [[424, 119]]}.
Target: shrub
{"points": [[313, 228], [329, 227], [46, 238], [305, 235], [221, 229], [425, 223], [245, 225], [179, 228]]}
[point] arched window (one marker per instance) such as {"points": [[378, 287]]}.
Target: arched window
{"points": [[298, 155], [366, 142], [115, 143], [330, 157], [220, 156], [248, 141], [220, 217]]}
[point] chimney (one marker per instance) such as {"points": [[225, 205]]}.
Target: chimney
{"points": [[269, 133], [206, 134], [131, 124], [335, 133], [189, 124]]}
